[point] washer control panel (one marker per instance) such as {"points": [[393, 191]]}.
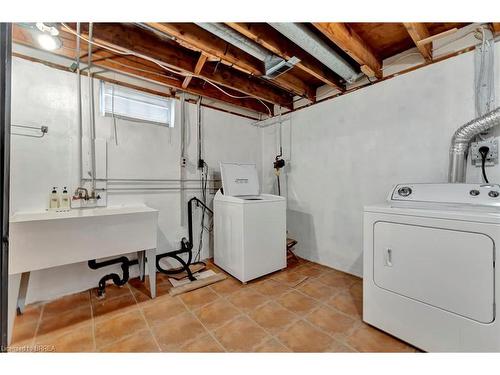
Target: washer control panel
{"points": [[450, 194]]}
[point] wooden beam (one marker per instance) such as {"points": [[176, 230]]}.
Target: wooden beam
{"points": [[145, 70], [273, 41], [199, 39], [496, 27], [418, 32], [352, 44], [167, 52], [197, 70]]}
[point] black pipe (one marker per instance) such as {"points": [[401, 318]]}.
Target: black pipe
{"points": [[117, 280], [186, 246]]}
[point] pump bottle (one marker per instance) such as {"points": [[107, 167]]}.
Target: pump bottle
{"points": [[54, 199]]}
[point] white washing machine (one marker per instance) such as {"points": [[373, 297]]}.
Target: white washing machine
{"points": [[249, 227], [429, 266]]}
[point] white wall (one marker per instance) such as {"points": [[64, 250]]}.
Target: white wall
{"points": [[42, 95], [348, 152]]}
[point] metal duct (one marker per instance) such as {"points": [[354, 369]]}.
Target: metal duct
{"points": [[315, 46], [274, 65], [461, 140]]}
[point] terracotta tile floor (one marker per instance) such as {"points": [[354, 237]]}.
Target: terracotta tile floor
{"points": [[281, 312]]}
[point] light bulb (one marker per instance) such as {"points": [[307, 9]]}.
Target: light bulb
{"points": [[48, 42]]}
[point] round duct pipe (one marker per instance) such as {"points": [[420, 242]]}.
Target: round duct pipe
{"points": [[461, 140]]}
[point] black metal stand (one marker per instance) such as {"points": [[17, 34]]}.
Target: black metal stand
{"points": [[186, 246]]}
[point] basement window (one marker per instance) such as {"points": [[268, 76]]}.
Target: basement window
{"points": [[128, 104]]}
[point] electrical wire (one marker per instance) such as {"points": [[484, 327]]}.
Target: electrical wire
{"points": [[483, 151], [209, 228], [126, 52]]}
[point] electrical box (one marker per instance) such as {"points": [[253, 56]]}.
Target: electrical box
{"points": [[491, 158]]}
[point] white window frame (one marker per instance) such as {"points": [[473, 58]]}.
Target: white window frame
{"points": [[149, 99]]}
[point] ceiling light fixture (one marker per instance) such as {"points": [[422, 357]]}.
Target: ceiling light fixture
{"points": [[47, 37]]}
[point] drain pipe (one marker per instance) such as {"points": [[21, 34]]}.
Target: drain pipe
{"points": [[461, 140]]}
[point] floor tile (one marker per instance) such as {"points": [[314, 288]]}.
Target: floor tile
{"points": [[162, 308], [23, 333], [177, 331], [79, 339], [65, 320], [303, 337], [198, 297], [310, 271], [316, 289], [297, 302], [247, 299], [107, 308], [139, 342], [356, 290], [289, 277], [337, 280], [112, 291], [271, 288], [141, 291], [271, 346], [227, 286], [346, 303], [216, 314], [31, 314], [66, 303], [331, 321], [369, 339], [273, 317], [110, 330], [241, 335], [203, 344]]}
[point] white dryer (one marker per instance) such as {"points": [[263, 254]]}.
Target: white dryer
{"points": [[249, 227], [429, 266]]}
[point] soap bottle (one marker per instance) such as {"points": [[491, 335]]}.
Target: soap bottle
{"points": [[64, 199], [54, 199]]}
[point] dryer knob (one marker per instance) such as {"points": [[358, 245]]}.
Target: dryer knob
{"points": [[474, 193], [404, 191], [493, 193]]}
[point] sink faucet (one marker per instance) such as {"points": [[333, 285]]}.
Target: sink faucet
{"points": [[78, 193]]}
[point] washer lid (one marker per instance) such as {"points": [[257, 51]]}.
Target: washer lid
{"points": [[239, 179]]}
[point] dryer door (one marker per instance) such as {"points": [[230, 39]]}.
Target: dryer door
{"points": [[448, 269]]}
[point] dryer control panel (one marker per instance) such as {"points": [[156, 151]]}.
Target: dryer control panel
{"points": [[473, 195]]}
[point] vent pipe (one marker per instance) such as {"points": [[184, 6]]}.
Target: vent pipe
{"points": [[315, 46], [274, 65], [461, 140]]}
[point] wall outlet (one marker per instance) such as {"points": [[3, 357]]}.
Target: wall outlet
{"points": [[491, 158], [183, 161]]}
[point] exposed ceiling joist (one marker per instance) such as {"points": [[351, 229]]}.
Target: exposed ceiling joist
{"points": [[139, 68], [352, 44], [276, 43], [197, 70], [145, 43], [199, 39], [418, 32]]}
